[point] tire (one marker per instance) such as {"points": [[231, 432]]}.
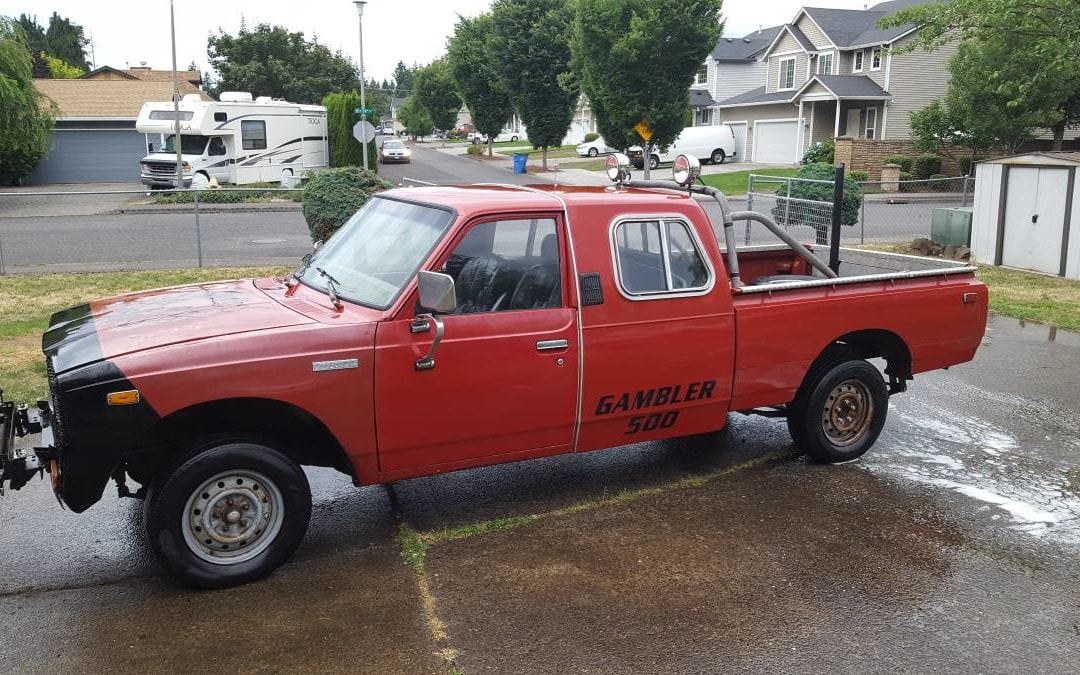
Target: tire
{"points": [[718, 156], [593, 152], [247, 479], [654, 162], [839, 411], [513, 139], [200, 181]]}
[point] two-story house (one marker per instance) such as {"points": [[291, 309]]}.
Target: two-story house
{"points": [[828, 73], [733, 67]]}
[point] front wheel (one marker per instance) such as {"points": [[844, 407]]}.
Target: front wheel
{"points": [[200, 181], [839, 411], [229, 514], [593, 152]]}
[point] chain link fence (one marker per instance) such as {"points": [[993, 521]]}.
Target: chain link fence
{"points": [[889, 213]]}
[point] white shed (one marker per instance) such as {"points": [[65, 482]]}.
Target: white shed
{"points": [[1025, 213]]}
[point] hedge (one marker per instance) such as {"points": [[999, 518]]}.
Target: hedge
{"points": [[819, 219], [333, 196], [904, 161], [926, 166]]}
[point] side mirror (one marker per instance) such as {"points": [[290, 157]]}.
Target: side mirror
{"points": [[437, 292]]}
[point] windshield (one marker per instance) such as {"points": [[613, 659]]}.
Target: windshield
{"points": [[393, 144], [189, 144], [378, 251]]}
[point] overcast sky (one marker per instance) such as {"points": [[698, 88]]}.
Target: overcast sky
{"points": [[127, 32]]}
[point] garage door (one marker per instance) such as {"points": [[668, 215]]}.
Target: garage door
{"points": [[91, 156], [739, 129], [775, 142]]}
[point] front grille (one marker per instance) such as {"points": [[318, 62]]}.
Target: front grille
{"points": [[165, 169], [54, 404]]}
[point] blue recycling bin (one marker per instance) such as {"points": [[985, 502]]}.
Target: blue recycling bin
{"points": [[519, 161]]}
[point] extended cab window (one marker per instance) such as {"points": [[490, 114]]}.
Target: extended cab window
{"points": [[656, 257], [506, 265]]}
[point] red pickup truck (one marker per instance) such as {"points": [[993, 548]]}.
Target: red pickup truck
{"points": [[452, 327]]}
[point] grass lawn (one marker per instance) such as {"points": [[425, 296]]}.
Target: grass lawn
{"points": [[735, 183], [27, 302], [554, 153]]}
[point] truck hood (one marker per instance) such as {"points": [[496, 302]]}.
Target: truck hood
{"points": [[108, 328]]}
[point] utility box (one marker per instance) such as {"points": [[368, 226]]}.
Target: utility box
{"points": [[951, 227]]}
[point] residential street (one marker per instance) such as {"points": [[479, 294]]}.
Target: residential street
{"points": [[951, 546], [81, 233]]}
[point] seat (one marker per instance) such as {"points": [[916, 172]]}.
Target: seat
{"points": [[540, 286], [483, 284]]}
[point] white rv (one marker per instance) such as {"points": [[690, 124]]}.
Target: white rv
{"points": [[236, 140]]}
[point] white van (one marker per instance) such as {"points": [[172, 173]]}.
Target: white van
{"points": [[236, 140], [715, 143]]}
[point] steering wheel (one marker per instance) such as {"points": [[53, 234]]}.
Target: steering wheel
{"points": [[521, 283]]}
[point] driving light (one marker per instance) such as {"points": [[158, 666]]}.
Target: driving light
{"points": [[686, 170], [618, 167]]}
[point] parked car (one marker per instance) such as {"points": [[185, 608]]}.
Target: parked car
{"points": [[715, 144], [479, 139], [594, 148], [393, 150]]}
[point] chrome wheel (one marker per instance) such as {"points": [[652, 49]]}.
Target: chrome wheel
{"points": [[848, 412], [233, 517]]}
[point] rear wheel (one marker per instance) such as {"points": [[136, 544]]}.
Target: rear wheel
{"points": [[654, 161], [839, 411], [718, 156], [229, 514]]}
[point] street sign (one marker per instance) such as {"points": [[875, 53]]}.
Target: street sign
{"points": [[363, 131], [643, 130], [362, 111]]}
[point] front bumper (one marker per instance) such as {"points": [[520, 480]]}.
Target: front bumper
{"points": [[27, 445], [154, 181]]}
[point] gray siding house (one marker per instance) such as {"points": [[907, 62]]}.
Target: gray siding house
{"points": [[828, 73]]}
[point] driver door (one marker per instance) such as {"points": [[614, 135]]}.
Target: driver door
{"points": [[505, 376]]}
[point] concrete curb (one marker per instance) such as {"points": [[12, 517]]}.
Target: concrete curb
{"points": [[189, 207]]}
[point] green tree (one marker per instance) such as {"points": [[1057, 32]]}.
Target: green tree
{"points": [[26, 118], [531, 49], [272, 61], [403, 80], [58, 70], [35, 39], [67, 42], [437, 91], [1034, 79], [345, 150], [636, 60], [416, 118], [473, 67]]}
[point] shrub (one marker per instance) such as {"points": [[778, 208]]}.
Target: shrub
{"points": [[905, 182], [820, 153], [333, 196], [227, 196], [926, 165], [476, 149], [819, 219], [966, 165], [590, 137], [904, 161], [858, 176]]}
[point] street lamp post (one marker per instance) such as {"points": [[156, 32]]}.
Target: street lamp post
{"points": [[176, 103], [363, 99]]}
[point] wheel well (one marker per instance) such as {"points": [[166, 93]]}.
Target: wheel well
{"points": [[870, 344], [283, 426]]}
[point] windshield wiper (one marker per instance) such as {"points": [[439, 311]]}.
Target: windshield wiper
{"points": [[331, 287]]}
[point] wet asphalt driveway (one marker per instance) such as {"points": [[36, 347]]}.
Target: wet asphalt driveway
{"points": [[953, 545]]}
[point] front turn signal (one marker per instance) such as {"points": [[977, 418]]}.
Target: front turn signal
{"points": [[129, 397]]}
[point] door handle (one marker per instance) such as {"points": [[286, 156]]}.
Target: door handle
{"points": [[551, 345]]}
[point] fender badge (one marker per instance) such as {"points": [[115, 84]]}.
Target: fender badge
{"points": [[129, 397], [340, 364]]}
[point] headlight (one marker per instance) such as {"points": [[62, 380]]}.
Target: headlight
{"points": [[186, 167], [685, 170]]}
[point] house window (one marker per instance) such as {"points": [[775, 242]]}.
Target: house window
{"points": [[786, 78], [825, 64], [875, 60], [253, 134], [857, 64], [704, 117], [871, 123], [702, 75]]}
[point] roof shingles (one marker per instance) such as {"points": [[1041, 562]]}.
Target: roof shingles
{"points": [[82, 99]]}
